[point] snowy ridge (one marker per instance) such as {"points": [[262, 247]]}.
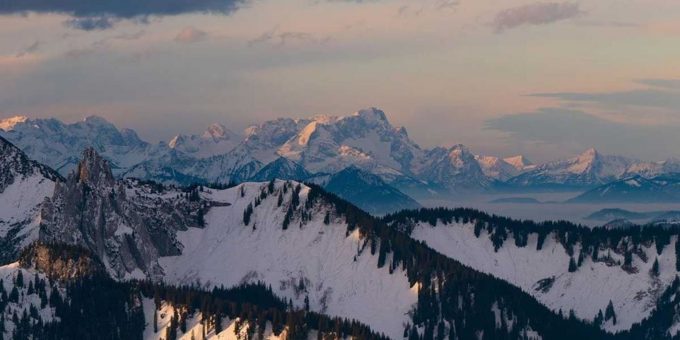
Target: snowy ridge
{"points": [[24, 185], [561, 281], [343, 284], [588, 169]]}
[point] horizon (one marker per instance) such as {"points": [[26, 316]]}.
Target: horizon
{"points": [[510, 78]]}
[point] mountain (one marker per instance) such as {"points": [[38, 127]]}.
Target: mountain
{"points": [[520, 162], [564, 266], [368, 191], [24, 184], [610, 214], [285, 247], [128, 225], [59, 145], [589, 169], [282, 168], [500, 169], [454, 168], [216, 140], [636, 189]]}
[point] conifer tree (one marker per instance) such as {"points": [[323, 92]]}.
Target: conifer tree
{"points": [[572, 265], [655, 267]]}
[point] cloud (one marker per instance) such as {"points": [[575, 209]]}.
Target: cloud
{"points": [[539, 13], [103, 14], [651, 98], [286, 37], [91, 23], [670, 84], [577, 130], [32, 48], [190, 35]]}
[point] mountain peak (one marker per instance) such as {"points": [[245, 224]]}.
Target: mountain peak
{"points": [[216, 131], [518, 161], [372, 114], [8, 124], [94, 169], [591, 153], [96, 120]]}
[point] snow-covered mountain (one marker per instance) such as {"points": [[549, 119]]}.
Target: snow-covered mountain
{"points": [[59, 145], [216, 140], [635, 189], [502, 169], [566, 268], [454, 168], [24, 184], [321, 144], [321, 253], [588, 169]]}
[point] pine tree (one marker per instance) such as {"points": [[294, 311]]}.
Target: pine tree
{"points": [[609, 313], [14, 295], [286, 219], [327, 218], [20, 279], [655, 267], [572, 265]]}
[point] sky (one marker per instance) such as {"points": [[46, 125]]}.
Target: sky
{"points": [[543, 79]]}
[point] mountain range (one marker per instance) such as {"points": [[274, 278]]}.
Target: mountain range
{"points": [[145, 260], [319, 146]]}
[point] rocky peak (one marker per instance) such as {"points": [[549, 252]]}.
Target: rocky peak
{"points": [[372, 115], [94, 170], [589, 155], [8, 124], [519, 162], [216, 131]]}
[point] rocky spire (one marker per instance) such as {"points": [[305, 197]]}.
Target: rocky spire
{"points": [[94, 170]]}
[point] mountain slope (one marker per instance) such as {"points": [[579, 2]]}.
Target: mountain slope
{"points": [[368, 191], [24, 184], [127, 224], [281, 168], [564, 266]]}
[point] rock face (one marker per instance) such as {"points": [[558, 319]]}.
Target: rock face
{"points": [[125, 223], [60, 262]]}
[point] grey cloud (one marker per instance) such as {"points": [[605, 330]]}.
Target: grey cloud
{"points": [[580, 130], [539, 13], [654, 98], [29, 49], [91, 23], [102, 14]]}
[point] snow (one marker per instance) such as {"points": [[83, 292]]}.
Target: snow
{"points": [[8, 274], [585, 291], [194, 326], [9, 123], [228, 253], [20, 203]]}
